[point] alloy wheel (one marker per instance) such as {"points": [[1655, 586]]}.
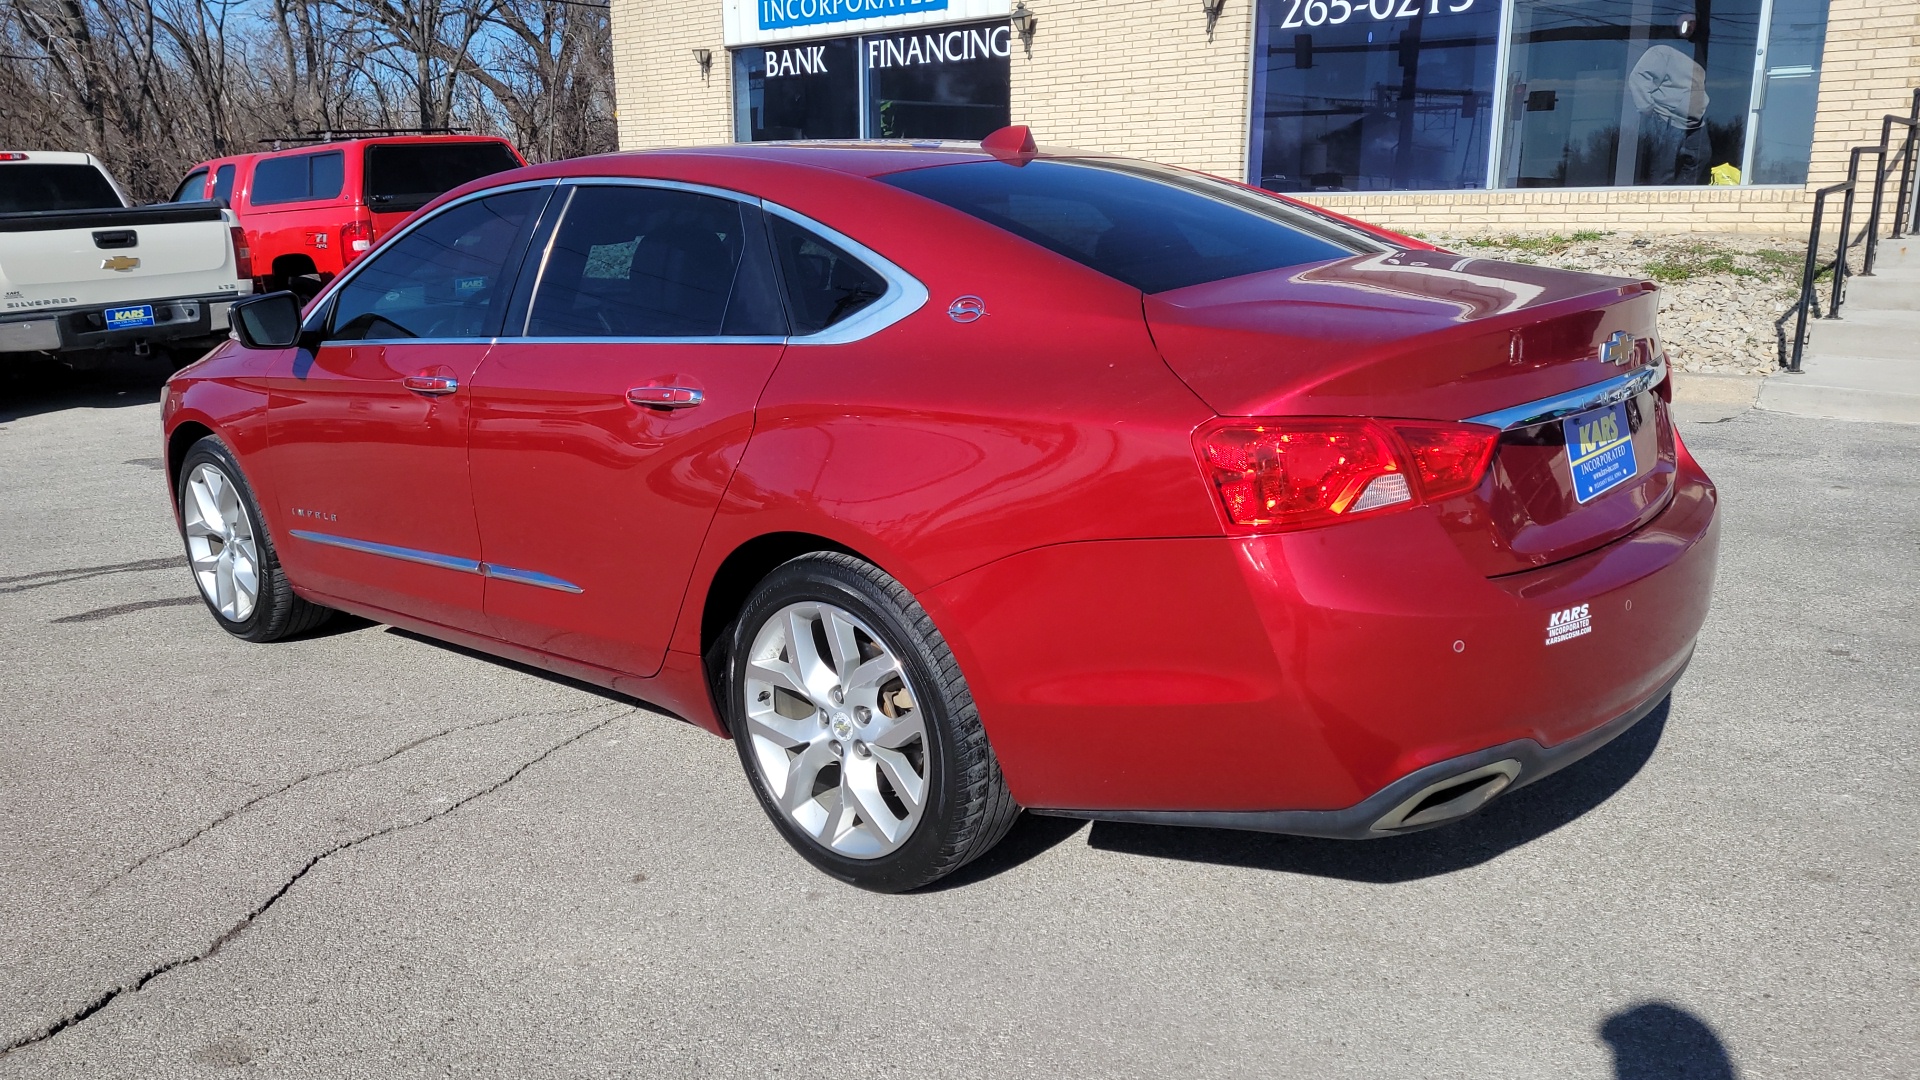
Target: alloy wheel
{"points": [[220, 543], [836, 731]]}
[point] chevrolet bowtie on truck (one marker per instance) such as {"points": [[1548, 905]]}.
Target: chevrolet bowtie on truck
{"points": [[84, 275]]}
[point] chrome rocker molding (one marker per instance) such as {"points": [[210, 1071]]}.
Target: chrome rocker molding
{"points": [[1463, 785], [1599, 395], [444, 562]]}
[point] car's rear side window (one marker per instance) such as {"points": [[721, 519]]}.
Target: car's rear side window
{"points": [[298, 178], [223, 184], [1151, 227], [32, 187], [824, 284], [408, 176], [643, 262]]}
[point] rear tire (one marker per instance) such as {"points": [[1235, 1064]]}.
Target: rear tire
{"points": [[230, 553], [857, 730]]}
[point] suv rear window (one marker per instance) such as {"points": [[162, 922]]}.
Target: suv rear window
{"points": [[408, 176], [30, 188], [1152, 227], [298, 178]]}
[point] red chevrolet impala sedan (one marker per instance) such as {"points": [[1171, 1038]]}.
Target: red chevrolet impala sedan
{"points": [[951, 479]]}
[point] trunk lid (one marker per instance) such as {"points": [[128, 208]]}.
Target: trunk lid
{"points": [[1437, 336]]}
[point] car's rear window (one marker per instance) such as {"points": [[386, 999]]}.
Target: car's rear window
{"points": [[408, 176], [31, 188], [1152, 227]]}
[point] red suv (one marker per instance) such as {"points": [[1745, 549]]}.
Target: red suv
{"points": [[309, 212]]}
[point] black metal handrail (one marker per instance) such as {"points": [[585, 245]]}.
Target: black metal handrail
{"points": [[1809, 302]]}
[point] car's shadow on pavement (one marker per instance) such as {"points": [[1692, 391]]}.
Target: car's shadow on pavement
{"points": [[44, 387], [1505, 824]]}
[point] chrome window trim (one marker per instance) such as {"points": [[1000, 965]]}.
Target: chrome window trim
{"points": [[904, 296], [443, 562], [323, 303], [767, 340], [1547, 409]]}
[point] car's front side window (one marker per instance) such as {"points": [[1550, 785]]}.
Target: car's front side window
{"points": [[192, 189], [644, 262], [446, 278]]}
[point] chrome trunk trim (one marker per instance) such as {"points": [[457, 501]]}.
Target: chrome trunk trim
{"points": [[1599, 395]]}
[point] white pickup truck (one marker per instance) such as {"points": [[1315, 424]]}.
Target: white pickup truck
{"points": [[83, 274]]}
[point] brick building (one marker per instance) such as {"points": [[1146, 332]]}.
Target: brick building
{"points": [[1419, 114]]}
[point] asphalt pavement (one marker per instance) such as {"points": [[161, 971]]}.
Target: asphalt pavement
{"points": [[364, 854]]}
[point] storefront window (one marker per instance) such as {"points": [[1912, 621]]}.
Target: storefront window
{"points": [[951, 82], [807, 91], [1373, 95], [1629, 92], [1789, 83]]}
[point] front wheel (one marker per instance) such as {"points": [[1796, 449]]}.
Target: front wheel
{"points": [[857, 729], [230, 553]]}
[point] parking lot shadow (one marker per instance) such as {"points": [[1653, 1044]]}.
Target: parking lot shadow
{"points": [[1505, 824], [47, 387], [1659, 1041]]}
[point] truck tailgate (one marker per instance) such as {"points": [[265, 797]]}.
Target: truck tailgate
{"points": [[119, 254]]}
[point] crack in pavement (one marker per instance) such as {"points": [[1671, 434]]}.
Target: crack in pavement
{"points": [[137, 984], [43, 578], [335, 770]]}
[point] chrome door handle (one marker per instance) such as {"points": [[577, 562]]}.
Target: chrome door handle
{"points": [[665, 397], [434, 385]]}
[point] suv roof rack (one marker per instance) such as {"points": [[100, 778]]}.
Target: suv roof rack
{"points": [[330, 134]]}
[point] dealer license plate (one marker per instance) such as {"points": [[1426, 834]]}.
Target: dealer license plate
{"points": [[1600, 451], [126, 318]]}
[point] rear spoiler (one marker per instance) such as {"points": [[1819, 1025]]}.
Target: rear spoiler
{"points": [[111, 217]]}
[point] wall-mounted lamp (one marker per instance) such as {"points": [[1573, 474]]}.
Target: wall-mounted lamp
{"points": [[1212, 9], [704, 57], [1023, 23]]}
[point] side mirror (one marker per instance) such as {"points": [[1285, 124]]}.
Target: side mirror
{"points": [[269, 321]]}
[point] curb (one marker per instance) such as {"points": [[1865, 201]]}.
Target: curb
{"points": [[1690, 388]]}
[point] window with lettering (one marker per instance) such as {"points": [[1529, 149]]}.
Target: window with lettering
{"points": [[1373, 95], [802, 91]]}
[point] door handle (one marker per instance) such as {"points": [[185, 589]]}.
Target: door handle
{"points": [[433, 385], [665, 397]]}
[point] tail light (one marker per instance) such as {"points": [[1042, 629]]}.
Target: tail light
{"points": [[1299, 472], [355, 238], [242, 254]]}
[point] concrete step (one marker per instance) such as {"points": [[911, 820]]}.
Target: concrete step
{"points": [[1862, 331], [1903, 253], [1889, 289], [1849, 388]]}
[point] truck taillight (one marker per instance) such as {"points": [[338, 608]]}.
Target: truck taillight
{"points": [[242, 254], [1299, 472], [355, 238]]}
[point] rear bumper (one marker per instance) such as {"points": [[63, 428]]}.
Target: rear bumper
{"points": [[84, 329], [1321, 673], [1423, 799]]}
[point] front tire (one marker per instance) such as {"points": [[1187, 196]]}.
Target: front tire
{"points": [[857, 729], [230, 552]]}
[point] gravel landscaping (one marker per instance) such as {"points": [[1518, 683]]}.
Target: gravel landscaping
{"points": [[1720, 293]]}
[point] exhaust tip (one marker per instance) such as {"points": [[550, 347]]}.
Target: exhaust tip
{"points": [[1454, 797]]}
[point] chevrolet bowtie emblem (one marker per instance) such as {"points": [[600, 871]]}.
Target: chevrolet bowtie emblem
{"points": [[1618, 349], [120, 262]]}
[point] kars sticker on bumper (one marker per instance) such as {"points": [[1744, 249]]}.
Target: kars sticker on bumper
{"points": [[1569, 624]]}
